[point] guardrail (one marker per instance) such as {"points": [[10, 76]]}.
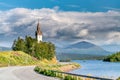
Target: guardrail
{"points": [[84, 76], [68, 76]]}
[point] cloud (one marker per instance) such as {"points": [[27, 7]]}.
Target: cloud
{"points": [[111, 8], [56, 8], [113, 37], [83, 32], [61, 25]]}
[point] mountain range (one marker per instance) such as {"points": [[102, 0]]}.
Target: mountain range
{"points": [[4, 48], [81, 50]]}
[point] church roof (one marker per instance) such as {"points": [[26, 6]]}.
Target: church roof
{"points": [[39, 32]]}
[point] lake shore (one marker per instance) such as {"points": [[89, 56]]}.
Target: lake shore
{"points": [[69, 67], [57, 70]]}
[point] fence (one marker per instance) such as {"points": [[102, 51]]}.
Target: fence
{"points": [[67, 76], [84, 76]]}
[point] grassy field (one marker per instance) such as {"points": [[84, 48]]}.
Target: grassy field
{"points": [[12, 58], [15, 58]]}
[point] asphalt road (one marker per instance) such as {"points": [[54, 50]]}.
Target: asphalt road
{"points": [[22, 73]]}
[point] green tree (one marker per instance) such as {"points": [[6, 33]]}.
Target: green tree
{"points": [[42, 50], [19, 45], [113, 58], [29, 42]]}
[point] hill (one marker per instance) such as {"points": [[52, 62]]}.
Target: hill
{"points": [[81, 45], [113, 58], [81, 50], [16, 58], [4, 48]]}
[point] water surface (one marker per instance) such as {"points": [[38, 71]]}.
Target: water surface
{"points": [[98, 68]]}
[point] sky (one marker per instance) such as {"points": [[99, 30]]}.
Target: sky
{"points": [[62, 21]]}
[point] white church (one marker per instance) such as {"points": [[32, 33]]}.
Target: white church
{"points": [[38, 33]]}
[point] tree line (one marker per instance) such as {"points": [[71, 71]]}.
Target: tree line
{"points": [[29, 45], [113, 58]]}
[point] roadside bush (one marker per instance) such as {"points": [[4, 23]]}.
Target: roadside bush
{"points": [[54, 74], [69, 78], [118, 78]]}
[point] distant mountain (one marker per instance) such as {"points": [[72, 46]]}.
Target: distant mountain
{"points": [[112, 47], [4, 48], [81, 45], [81, 50]]}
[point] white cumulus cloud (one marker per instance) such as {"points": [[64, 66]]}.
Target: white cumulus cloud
{"points": [[55, 24]]}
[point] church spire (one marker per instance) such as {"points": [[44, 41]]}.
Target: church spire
{"points": [[38, 33]]}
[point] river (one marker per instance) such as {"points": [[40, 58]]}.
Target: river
{"points": [[98, 68]]}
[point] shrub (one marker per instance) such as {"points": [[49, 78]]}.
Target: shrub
{"points": [[55, 74], [118, 78]]}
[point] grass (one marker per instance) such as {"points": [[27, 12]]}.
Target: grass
{"points": [[45, 67], [53, 73], [57, 66], [16, 58], [49, 69]]}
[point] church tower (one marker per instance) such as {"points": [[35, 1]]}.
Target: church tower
{"points": [[38, 33]]}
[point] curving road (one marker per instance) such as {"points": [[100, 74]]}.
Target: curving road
{"points": [[22, 73]]}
